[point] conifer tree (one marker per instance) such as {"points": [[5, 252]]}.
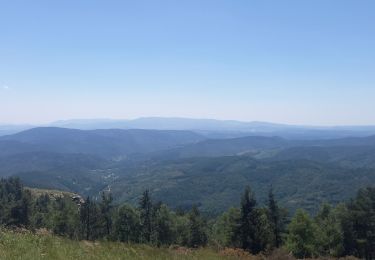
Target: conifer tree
{"points": [[275, 219], [247, 227], [362, 218], [198, 236], [146, 216], [60, 224], [106, 208], [86, 218]]}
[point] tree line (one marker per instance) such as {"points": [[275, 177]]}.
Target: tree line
{"points": [[341, 230]]}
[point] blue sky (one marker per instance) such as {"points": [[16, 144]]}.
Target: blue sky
{"points": [[300, 62]]}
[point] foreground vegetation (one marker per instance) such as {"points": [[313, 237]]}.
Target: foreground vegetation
{"points": [[347, 229], [18, 245]]}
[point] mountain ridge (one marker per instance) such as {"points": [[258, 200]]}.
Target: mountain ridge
{"points": [[208, 127]]}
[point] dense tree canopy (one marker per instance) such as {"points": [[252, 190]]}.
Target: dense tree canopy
{"points": [[346, 229]]}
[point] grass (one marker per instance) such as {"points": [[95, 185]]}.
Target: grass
{"points": [[16, 245], [28, 246], [51, 193]]}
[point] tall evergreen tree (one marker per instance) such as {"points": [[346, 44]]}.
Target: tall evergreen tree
{"points": [[247, 227], [88, 219], [106, 208], [198, 236], [362, 215], [146, 216], [345, 220], [275, 219]]}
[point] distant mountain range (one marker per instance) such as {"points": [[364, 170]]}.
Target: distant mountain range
{"points": [[208, 127], [12, 129]]}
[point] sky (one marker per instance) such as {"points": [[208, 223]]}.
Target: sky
{"points": [[298, 62]]}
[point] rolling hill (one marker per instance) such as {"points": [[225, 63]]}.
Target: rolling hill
{"points": [[276, 148], [215, 184], [183, 168], [80, 173], [104, 143], [253, 145]]}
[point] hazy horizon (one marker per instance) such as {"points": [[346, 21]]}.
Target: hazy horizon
{"points": [[102, 120], [291, 62]]}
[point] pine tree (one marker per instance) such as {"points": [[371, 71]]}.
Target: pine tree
{"points": [[362, 218], [25, 208], [146, 215], [247, 227], [198, 236], [60, 217], [275, 219], [106, 208], [85, 217]]}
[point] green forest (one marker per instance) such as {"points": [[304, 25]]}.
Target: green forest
{"points": [[347, 229]]}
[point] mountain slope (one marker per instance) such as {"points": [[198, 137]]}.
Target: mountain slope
{"points": [[105, 143], [70, 172], [182, 168], [346, 156], [252, 145], [216, 183], [279, 148]]}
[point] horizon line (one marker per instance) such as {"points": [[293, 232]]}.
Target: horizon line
{"points": [[50, 123]]}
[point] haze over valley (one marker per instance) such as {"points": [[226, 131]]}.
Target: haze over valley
{"points": [[197, 164]]}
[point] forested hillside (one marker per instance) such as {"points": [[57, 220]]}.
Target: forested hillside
{"points": [[248, 228], [183, 168], [214, 183], [111, 143]]}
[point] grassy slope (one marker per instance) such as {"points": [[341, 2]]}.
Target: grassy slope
{"points": [[52, 193], [32, 246]]}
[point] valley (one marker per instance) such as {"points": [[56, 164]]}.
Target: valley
{"points": [[183, 168]]}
